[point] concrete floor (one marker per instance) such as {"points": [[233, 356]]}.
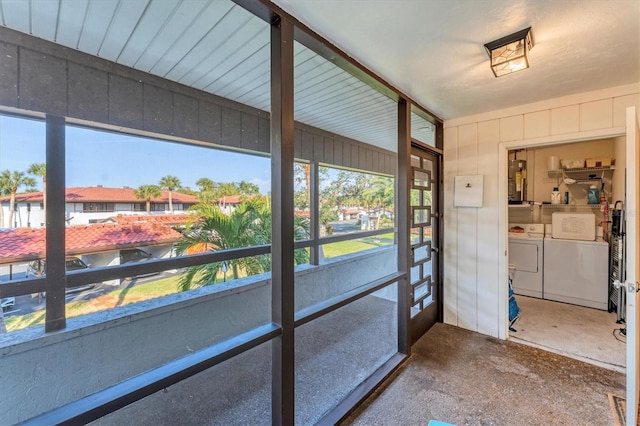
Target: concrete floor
{"points": [[333, 355], [465, 378], [453, 375], [587, 334]]}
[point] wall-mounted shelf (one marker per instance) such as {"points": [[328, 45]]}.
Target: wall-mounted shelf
{"points": [[589, 169], [522, 206], [571, 206], [580, 175]]}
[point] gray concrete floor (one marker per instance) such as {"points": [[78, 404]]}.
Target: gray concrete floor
{"points": [[333, 355], [587, 334], [453, 375], [464, 378]]}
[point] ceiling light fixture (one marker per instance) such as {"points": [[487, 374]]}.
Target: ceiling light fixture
{"points": [[510, 53]]}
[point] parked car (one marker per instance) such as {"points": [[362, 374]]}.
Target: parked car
{"points": [[135, 255], [38, 269], [7, 303]]}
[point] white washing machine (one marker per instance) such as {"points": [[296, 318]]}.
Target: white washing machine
{"points": [[576, 270], [526, 246]]}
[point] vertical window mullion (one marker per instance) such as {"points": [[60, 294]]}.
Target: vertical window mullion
{"points": [[282, 239], [314, 208], [403, 223], [55, 284]]}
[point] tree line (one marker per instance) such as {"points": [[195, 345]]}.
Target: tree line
{"points": [[12, 182], [347, 189], [208, 190]]}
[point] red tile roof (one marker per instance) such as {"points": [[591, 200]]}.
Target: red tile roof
{"points": [[234, 199], [351, 210], [99, 194], [27, 243], [165, 219]]}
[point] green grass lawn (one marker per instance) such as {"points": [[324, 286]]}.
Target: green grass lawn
{"points": [[165, 286], [120, 297], [353, 246]]}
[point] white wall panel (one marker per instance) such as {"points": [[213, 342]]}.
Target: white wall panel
{"points": [[511, 128], [596, 115], [487, 250], [620, 105], [467, 233], [565, 120], [450, 252], [537, 124]]}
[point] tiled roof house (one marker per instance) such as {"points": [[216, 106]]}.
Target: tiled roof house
{"points": [[24, 244], [93, 204]]}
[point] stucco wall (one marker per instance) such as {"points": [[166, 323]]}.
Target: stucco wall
{"points": [[472, 253], [40, 372]]}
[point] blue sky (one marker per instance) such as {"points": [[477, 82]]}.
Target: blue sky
{"points": [[116, 160]]}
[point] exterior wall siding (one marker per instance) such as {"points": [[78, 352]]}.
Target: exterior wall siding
{"points": [[472, 252], [39, 77]]}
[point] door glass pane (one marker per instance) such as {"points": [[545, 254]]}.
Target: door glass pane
{"points": [[422, 254], [422, 216], [422, 179], [421, 129]]}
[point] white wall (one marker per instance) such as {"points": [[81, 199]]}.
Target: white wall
{"points": [[474, 256]]}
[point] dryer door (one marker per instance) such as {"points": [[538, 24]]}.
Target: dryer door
{"points": [[524, 256]]}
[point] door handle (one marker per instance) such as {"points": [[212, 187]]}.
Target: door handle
{"points": [[436, 214], [435, 249]]}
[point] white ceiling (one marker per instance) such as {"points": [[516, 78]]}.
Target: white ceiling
{"points": [[433, 50], [430, 49]]}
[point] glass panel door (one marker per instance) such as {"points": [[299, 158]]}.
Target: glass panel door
{"points": [[424, 202]]}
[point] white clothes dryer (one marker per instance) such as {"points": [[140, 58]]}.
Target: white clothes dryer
{"points": [[577, 272]]}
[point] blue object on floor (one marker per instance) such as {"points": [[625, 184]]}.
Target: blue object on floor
{"points": [[438, 423], [514, 309]]}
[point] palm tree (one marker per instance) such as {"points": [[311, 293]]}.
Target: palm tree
{"points": [[4, 190], [217, 231], [248, 225], [40, 169], [205, 184], [207, 190], [11, 182], [170, 183], [146, 193]]}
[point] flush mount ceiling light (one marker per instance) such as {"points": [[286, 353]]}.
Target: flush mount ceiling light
{"points": [[510, 53]]}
